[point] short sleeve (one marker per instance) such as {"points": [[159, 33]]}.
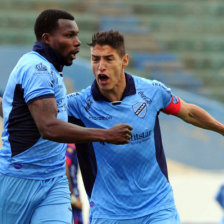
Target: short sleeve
{"points": [[167, 101], [38, 82]]}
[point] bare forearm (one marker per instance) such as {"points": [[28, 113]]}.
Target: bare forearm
{"points": [[200, 118], [61, 131], [44, 113]]}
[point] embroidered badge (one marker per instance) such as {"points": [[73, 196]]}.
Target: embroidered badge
{"points": [[140, 109], [41, 67]]}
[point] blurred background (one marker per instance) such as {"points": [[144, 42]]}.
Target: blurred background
{"points": [[178, 42]]}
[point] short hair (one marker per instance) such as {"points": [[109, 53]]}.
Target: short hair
{"points": [[47, 21], [112, 38]]}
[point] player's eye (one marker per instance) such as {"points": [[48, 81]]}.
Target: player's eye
{"points": [[110, 58], [95, 59], [69, 35]]}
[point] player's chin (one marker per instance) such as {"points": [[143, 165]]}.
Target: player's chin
{"points": [[68, 62], [104, 87]]}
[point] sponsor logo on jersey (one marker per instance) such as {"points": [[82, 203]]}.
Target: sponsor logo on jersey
{"points": [[140, 109], [144, 97], [40, 67], [140, 137], [100, 117]]}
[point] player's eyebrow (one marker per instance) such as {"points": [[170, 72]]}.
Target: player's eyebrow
{"points": [[109, 56], [95, 56]]}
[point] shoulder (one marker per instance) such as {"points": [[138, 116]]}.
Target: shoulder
{"points": [[78, 102], [81, 96], [152, 88], [141, 83], [35, 62], [159, 85]]}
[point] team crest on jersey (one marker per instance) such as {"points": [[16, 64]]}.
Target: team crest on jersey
{"points": [[140, 109], [40, 67]]}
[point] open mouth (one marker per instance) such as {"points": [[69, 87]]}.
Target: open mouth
{"points": [[73, 54], [103, 77]]}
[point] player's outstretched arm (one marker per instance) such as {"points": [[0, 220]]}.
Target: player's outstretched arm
{"points": [[44, 113], [197, 116], [1, 112]]}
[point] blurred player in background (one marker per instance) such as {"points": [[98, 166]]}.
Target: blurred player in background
{"points": [[128, 184], [220, 200], [72, 172], [34, 188]]}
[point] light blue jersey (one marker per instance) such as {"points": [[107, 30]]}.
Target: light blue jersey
{"points": [[125, 181], [24, 153]]}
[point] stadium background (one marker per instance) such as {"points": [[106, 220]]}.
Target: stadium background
{"points": [[178, 42]]}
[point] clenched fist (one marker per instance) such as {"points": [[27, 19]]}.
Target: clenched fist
{"points": [[119, 134]]}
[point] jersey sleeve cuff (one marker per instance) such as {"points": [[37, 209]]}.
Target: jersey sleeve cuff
{"points": [[41, 97]]}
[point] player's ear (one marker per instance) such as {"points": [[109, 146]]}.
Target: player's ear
{"points": [[125, 60], [46, 38]]}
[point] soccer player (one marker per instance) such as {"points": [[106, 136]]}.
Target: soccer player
{"points": [[72, 172], [220, 200], [128, 184], [34, 188]]}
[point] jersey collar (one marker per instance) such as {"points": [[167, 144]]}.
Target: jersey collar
{"points": [[129, 89], [50, 54]]}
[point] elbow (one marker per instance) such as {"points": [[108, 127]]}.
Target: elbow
{"points": [[47, 129], [46, 133]]}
